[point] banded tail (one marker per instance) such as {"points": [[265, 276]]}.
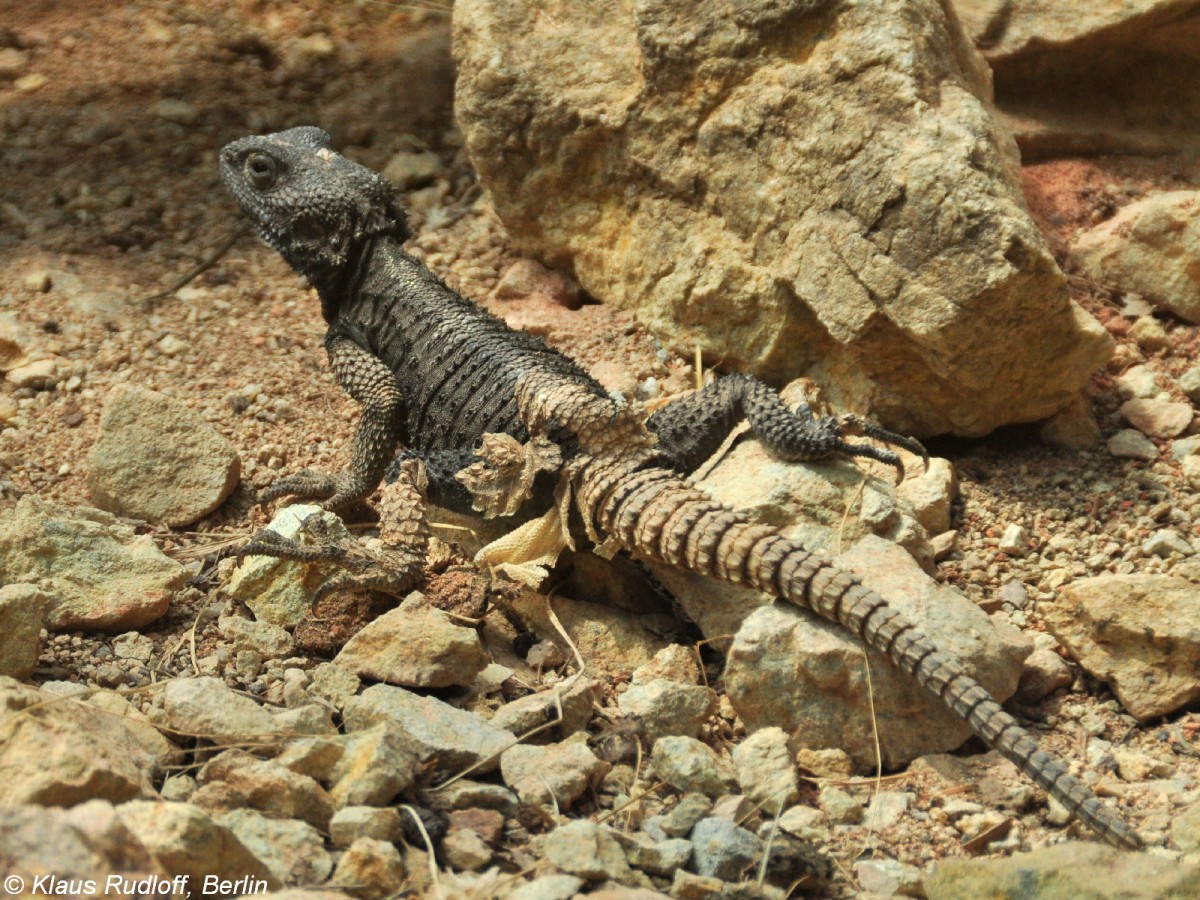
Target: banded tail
{"points": [[651, 511]]}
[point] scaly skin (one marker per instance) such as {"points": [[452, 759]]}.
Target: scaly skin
{"points": [[622, 491], [434, 373]]}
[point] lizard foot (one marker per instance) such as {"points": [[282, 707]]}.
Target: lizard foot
{"points": [[334, 491], [852, 424], [393, 565]]}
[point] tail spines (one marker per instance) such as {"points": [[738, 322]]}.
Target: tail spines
{"points": [[653, 512]]}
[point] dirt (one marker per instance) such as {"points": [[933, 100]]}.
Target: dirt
{"points": [[111, 194]]}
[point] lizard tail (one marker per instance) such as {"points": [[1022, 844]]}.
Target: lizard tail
{"points": [[653, 512]]}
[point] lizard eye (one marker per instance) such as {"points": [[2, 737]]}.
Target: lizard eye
{"points": [[261, 170]]}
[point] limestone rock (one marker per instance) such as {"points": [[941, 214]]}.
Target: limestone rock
{"points": [[828, 183], [101, 575], [690, 766], [23, 609], [456, 738], [1128, 443], [376, 764], [1138, 633], [269, 641], [723, 850], [65, 753], [930, 495], [526, 713], [415, 646], [1082, 871], [370, 868], [293, 851], [182, 840], [236, 779], [1073, 427], [281, 591], [563, 771], [888, 878], [1107, 76], [586, 849], [352, 822], [674, 663], [610, 639], [158, 460], [206, 707], [765, 770], [1157, 418], [789, 669], [667, 707]]}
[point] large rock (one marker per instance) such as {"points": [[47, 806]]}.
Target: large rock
{"points": [[789, 668], [1151, 248], [1076, 870], [1103, 76], [158, 460], [1138, 633], [184, 841], [59, 751], [824, 180], [100, 574]]}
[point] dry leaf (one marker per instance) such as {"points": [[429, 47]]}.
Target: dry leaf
{"points": [[503, 477], [527, 553]]}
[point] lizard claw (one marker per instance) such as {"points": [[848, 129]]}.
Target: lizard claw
{"points": [[852, 424]]}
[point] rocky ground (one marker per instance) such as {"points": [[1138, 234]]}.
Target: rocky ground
{"points": [[173, 715]]}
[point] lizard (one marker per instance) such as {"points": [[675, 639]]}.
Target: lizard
{"points": [[435, 373]]}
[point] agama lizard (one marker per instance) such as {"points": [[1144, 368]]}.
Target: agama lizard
{"points": [[434, 373]]}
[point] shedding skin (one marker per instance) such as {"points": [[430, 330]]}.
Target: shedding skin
{"points": [[434, 373]]}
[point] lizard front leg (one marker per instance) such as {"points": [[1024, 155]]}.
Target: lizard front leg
{"points": [[369, 381], [394, 564]]}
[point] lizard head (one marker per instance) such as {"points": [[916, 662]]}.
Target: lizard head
{"points": [[314, 206]]}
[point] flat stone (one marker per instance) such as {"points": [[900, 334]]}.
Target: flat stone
{"points": [[281, 591], [526, 713], [561, 773], [456, 738], [293, 851], [765, 770], [269, 641], [376, 764], [1149, 247], [159, 460], [1129, 443], [101, 575], [1138, 633], [586, 849], [206, 707], [674, 663], [370, 868], [787, 668], [1081, 871], [415, 646], [236, 779], [40, 375], [352, 822], [888, 878], [549, 887], [930, 494]]}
